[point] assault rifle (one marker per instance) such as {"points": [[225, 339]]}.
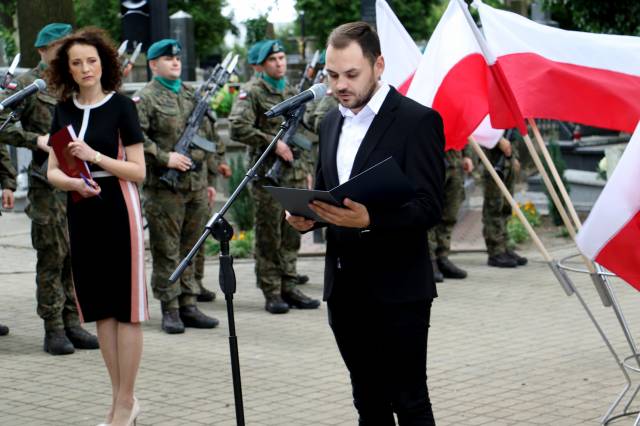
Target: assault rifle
{"points": [[291, 138], [6, 78], [132, 59], [189, 137]]}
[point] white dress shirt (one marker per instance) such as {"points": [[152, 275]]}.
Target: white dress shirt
{"points": [[354, 128]]}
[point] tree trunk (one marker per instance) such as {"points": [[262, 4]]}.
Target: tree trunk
{"points": [[35, 14]]}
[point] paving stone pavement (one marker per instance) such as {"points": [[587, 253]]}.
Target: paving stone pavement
{"points": [[506, 347]]}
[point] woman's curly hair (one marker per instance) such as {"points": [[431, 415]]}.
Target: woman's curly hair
{"points": [[58, 75]]}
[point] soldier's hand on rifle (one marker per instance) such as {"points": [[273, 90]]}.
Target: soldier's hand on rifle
{"points": [[283, 151], [43, 141], [505, 147], [7, 199], [127, 70], [224, 170], [179, 162], [467, 164], [211, 195]]}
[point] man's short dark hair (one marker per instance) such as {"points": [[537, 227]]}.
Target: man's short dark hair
{"points": [[360, 32]]}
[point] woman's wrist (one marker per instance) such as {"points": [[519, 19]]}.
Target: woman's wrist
{"points": [[97, 157]]}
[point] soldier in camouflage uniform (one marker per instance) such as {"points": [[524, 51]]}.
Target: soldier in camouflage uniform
{"points": [[277, 244], [176, 218], [8, 185], [458, 163], [496, 210], [47, 209]]}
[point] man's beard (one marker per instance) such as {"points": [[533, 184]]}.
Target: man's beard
{"points": [[360, 101]]}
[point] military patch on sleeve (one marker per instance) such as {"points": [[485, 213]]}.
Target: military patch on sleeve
{"points": [[12, 86], [242, 95], [136, 99]]}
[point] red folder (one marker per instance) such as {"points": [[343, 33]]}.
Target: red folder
{"points": [[72, 166]]}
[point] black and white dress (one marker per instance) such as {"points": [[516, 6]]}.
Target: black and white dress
{"points": [[106, 234]]}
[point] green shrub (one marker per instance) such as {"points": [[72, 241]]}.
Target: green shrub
{"points": [[242, 209], [516, 231], [241, 245]]}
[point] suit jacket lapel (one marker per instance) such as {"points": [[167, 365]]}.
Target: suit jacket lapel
{"points": [[331, 165], [378, 127]]}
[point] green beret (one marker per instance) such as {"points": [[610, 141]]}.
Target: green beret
{"points": [[254, 51], [165, 47], [269, 47], [50, 33]]}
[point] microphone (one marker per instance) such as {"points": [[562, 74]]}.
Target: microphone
{"points": [[314, 92], [20, 95]]}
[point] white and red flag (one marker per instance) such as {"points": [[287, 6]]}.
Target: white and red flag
{"points": [[593, 79], [400, 52], [452, 76], [611, 233]]}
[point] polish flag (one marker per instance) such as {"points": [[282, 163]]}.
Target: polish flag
{"points": [[452, 76], [593, 79], [611, 233], [400, 52]]}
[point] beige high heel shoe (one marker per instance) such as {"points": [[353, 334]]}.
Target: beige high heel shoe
{"points": [[135, 412]]}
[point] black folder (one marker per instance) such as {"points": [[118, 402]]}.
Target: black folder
{"points": [[380, 186]]}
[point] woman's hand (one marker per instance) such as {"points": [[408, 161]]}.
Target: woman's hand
{"points": [[85, 190], [80, 149]]}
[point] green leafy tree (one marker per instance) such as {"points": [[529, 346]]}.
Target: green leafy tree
{"points": [[612, 17], [7, 29], [104, 14], [322, 16], [257, 29]]}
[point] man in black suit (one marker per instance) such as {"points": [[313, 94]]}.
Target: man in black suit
{"points": [[378, 278]]}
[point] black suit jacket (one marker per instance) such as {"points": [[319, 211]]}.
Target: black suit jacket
{"points": [[389, 261]]}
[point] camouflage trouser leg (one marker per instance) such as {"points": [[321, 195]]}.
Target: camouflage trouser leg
{"points": [[176, 220], [496, 212], [198, 272], [440, 235], [55, 293], [276, 247]]}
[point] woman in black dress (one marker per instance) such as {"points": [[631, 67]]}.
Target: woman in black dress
{"points": [[105, 226]]}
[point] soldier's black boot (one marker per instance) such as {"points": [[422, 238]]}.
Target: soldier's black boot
{"points": [[437, 275], [57, 343], [4, 330], [296, 299], [275, 305], [81, 338], [449, 270], [171, 322], [206, 295], [520, 260], [192, 317], [302, 279], [502, 260]]}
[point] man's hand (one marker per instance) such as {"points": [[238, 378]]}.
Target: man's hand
{"points": [[179, 162], [127, 70], [211, 195], [299, 223], [224, 170], [505, 147], [7, 199], [284, 152], [354, 215], [467, 165], [43, 142], [516, 166], [309, 181]]}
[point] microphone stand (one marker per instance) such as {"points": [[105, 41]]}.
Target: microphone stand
{"points": [[222, 231]]}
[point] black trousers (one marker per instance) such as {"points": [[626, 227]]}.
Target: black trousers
{"points": [[384, 347]]}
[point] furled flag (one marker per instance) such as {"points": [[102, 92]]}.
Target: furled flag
{"points": [[452, 77], [611, 233], [587, 78], [400, 52]]}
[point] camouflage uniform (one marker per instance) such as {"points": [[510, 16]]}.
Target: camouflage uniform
{"points": [[7, 171], [317, 110], [47, 210], [176, 219], [495, 209], [440, 236], [277, 243]]}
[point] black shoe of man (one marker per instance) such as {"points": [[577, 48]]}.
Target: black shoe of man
{"points": [[81, 338], [275, 305], [206, 295], [171, 322], [502, 260], [302, 279], [520, 260], [192, 317], [296, 299], [4, 330], [449, 270], [437, 275], [57, 343]]}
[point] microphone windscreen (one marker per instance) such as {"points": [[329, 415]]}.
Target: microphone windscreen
{"points": [[319, 90], [41, 84]]}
